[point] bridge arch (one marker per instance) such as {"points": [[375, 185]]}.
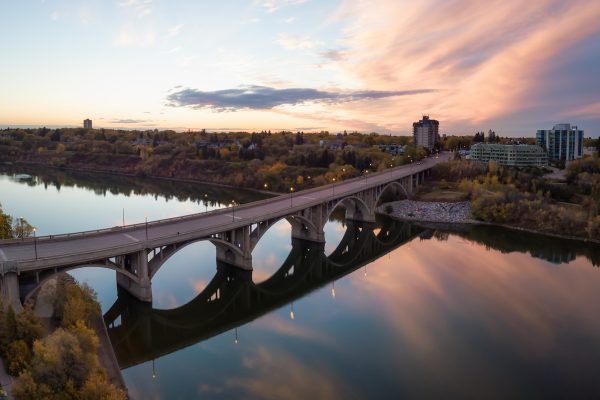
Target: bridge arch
{"points": [[30, 283], [302, 227], [356, 209], [393, 188], [229, 251]]}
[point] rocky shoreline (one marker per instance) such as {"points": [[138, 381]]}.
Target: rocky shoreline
{"points": [[442, 214], [425, 211]]}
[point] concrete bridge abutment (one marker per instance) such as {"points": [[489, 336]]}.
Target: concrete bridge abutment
{"points": [[137, 264]]}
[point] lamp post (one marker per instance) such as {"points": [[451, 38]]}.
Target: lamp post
{"points": [[266, 186], [366, 174], [146, 227], [205, 203], [233, 210], [35, 242], [333, 187], [123, 216], [21, 223], [291, 196]]}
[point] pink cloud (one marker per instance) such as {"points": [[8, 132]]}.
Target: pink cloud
{"points": [[483, 57]]}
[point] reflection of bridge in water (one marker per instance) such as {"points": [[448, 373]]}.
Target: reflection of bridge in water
{"points": [[232, 299]]}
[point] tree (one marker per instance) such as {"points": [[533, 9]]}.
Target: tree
{"points": [[21, 228], [5, 225]]}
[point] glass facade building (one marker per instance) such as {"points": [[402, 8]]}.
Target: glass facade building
{"points": [[563, 142], [512, 155]]}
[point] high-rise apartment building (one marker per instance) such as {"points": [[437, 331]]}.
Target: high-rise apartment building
{"points": [[426, 132], [87, 123], [563, 142]]}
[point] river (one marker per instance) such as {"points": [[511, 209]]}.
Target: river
{"points": [[395, 311]]}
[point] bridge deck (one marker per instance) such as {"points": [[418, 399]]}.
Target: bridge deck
{"points": [[95, 245]]}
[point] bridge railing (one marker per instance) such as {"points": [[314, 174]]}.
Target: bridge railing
{"points": [[141, 225]]}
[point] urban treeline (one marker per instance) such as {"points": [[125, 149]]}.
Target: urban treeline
{"points": [[280, 160]]}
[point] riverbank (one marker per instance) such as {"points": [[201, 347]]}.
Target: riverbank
{"points": [[442, 214], [63, 319], [45, 300], [112, 172]]}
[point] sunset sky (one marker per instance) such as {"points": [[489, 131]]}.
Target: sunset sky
{"points": [[368, 65]]}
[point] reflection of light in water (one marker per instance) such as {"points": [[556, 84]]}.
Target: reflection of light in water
{"points": [[153, 370], [365, 271], [333, 290], [236, 337], [292, 311]]}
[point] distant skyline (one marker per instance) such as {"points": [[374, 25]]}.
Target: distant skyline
{"points": [[512, 66]]}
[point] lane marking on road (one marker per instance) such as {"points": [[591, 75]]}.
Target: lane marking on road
{"points": [[229, 215], [3, 256], [306, 197], [130, 237]]}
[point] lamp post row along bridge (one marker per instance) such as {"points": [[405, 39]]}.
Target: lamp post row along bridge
{"points": [[136, 252]]}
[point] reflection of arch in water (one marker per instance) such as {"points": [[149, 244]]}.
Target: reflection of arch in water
{"points": [[232, 299], [352, 242]]}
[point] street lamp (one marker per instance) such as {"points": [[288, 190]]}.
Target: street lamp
{"points": [[266, 186], [146, 227], [21, 223], [205, 203], [333, 187], [291, 196], [35, 242], [366, 175], [232, 210]]}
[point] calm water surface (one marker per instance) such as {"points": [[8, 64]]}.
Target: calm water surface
{"points": [[482, 313]]}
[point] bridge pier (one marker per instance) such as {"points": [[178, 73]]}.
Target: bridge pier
{"points": [[137, 263], [9, 286]]}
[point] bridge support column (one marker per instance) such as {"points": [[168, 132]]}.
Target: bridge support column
{"points": [[316, 215], [241, 255], [9, 287], [358, 212], [141, 288]]}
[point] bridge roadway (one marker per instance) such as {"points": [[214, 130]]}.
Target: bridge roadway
{"points": [[67, 249]]}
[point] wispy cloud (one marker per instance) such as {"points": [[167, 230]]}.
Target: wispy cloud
{"points": [[490, 56], [141, 7], [274, 5], [265, 98], [132, 37], [174, 31], [295, 42], [250, 21], [334, 55], [129, 121]]}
